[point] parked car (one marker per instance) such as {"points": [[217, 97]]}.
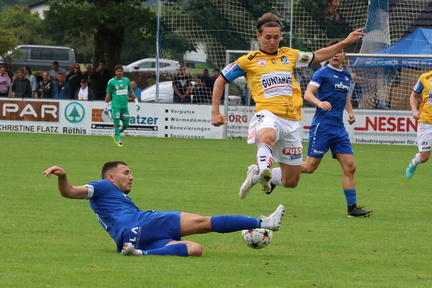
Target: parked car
{"points": [[166, 93], [40, 57], [149, 65]]}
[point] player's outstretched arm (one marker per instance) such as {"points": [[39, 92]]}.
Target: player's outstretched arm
{"points": [[326, 53], [65, 187]]}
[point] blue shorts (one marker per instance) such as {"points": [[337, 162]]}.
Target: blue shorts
{"points": [[323, 137], [152, 229]]}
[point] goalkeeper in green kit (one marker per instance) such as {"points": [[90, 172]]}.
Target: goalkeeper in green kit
{"points": [[119, 91]]}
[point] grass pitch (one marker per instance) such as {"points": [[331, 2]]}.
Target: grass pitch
{"points": [[49, 241]]}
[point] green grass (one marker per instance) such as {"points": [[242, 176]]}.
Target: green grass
{"points": [[50, 241]]}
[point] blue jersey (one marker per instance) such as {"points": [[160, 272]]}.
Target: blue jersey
{"points": [[333, 86], [114, 209]]}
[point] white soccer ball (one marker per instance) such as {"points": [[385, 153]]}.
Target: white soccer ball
{"points": [[257, 238]]}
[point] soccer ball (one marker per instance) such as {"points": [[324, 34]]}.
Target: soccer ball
{"points": [[257, 238]]}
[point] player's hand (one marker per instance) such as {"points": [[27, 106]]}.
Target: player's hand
{"points": [[416, 115], [107, 108], [137, 107], [218, 119], [355, 35], [325, 105], [351, 119], [54, 170]]}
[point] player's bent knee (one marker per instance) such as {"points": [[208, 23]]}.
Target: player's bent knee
{"points": [[290, 184], [194, 249]]}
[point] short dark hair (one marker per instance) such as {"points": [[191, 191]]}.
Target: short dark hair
{"points": [[118, 67], [268, 20], [110, 165], [55, 63], [333, 42]]}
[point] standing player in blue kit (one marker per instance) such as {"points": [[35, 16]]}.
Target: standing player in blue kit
{"points": [[328, 90]]}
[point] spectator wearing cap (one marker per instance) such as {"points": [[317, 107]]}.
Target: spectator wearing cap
{"points": [[74, 78], [55, 71], [84, 93]]}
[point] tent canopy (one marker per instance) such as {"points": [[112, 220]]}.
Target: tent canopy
{"points": [[418, 42]]}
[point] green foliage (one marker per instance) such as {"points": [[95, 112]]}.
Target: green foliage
{"points": [[50, 241], [104, 21], [8, 41], [19, 26]]}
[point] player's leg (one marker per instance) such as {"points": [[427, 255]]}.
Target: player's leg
{"points": [[125, 118], [261, 133], [172, 248], [266, 138], [197, 224], [288, 152], [116, 121], [317, 147], [165, 224], [424, 143], [342, 151], [310, 165]]}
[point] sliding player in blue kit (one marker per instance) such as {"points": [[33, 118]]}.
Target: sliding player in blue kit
{"points": [[328, 90], [138, 232]]}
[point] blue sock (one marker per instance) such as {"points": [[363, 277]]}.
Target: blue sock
{"points": [[179, 249], [350, 196], [231, 223]]}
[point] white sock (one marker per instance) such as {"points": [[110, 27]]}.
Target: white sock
{"points": [[264, 156], [277, 177], [416, 160]]}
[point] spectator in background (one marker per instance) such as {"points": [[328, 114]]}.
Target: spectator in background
{"points": [[207, 80], [88, 72], [9, 70], [61, 88], [101, 78], [45, 86], [74, 78], [182, 85], [201, 93], [84, 93], [215, 75], [136, 90], [32, 78], [55, 71], [21, 86], [5, 82]]}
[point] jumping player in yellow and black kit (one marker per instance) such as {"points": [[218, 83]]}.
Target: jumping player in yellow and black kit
{"points": [[423, 114], [275, 127]]}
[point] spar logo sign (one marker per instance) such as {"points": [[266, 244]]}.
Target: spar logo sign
{"points": [[34, 111], [74, 112]]}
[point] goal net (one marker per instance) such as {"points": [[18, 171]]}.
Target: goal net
{"points": [[198, 34]]}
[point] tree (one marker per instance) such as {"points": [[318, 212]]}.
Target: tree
{"points": [[106, 20], [26, 27], [19, 26]]}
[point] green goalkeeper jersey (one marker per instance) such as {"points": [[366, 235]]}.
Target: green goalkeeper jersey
{"points": [[119, 90]]}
